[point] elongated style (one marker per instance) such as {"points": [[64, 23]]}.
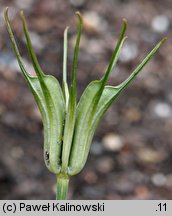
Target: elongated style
{"points": [[69, 126]]}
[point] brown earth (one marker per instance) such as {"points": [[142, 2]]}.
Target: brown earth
{"points": [[131, 155]]}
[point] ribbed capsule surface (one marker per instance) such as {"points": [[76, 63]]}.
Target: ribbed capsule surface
{"points": [[52, 110]]}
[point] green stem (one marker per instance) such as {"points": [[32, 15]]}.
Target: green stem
{"points": [[62, 186]]}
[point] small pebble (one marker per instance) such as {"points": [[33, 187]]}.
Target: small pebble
{"points": [[129, 52], [94, 47], [37, 42], [124, 187], [158, 179], [149, 36], [160, 23], [7, 59], [112, 142], [138, 177], [148, 155], [9, 119], [142, 192], [42, 23], [133, 114], [162, 110], [17, 152], [26, 187], [96, 148], [93, 22], [169, 181], [105, 165], [9, 93], [90, 177]]}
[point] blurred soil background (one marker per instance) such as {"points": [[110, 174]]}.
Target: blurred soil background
{"points": [[131, 154]]}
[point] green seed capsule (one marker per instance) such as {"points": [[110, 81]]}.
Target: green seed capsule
{"points": [[93, 104], [50, 100], [86, 123]]}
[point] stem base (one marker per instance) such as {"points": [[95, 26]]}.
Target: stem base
{"points": [[62, 186]]}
